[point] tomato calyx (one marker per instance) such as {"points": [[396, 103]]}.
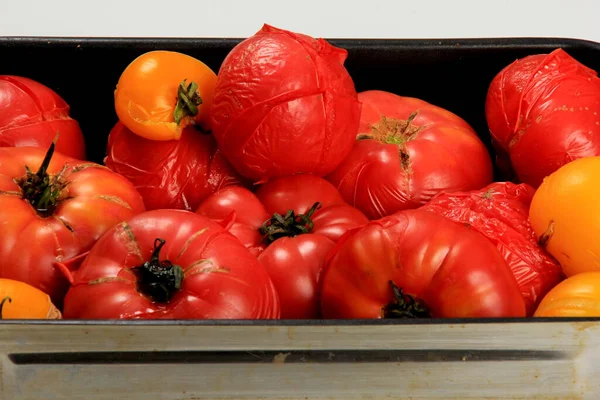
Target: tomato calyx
{"points": [[4, 300], [188, 100], [40, 189], [158, 280], [393, 131], [404, 306], [288, 225]]}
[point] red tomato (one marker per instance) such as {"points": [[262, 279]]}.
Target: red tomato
{"points": [[170, 264], [176, 174], [408, 151], [284, 104], [417, 264], [31, 114], [291, 236], [53, 216], [500, 212], [544, 111]]}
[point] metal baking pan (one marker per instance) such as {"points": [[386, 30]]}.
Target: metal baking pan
{"points": [[177, 360]]}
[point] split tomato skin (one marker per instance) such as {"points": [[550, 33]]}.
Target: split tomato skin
{"points": [[284, 104], [500, 212], [174, 174], [22, 301], [577, 296], [91, 200], [32, 114], [147, 93], [220, 278], [456, 272], [543, 112], [399, 163]]}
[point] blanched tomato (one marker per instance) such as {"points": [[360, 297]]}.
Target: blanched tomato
{"points": [[408, 151], [170, 264], [162, 92], [577, 296], [413, 264], [291, 223]]}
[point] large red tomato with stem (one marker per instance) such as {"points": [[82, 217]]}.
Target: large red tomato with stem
{"points": [[291, 223], [53, 209], [170, 264], [415, 263], [31, 114], [175, 174], [284, 104], [407, 151], [543, 111], [500, 212]]}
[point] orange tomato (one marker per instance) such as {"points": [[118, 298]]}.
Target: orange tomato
{"points": [[161, 92], [19, 300], [565, 215], [577, 296]]}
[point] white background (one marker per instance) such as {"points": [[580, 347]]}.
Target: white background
{"points": [[324, 18]]}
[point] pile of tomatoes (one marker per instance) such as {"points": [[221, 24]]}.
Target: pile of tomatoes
{"points": [[274, 190]]}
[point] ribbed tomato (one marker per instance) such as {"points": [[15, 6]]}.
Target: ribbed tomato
{"points": [[415, 263], [176, 174], [170, 264], [284, 104], [577, 296], [291, 223], [500, 212], [53, 209], [31, 114], [408, 151], [543, 111]]}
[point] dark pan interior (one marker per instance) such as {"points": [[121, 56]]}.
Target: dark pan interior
{"points": [[453, 74]]}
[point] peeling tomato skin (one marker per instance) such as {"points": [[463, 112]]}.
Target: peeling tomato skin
{"points": [[543, 111], [284, 104], [438, 152]]}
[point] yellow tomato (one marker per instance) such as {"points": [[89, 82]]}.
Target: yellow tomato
{"points": [[577, 296], [161, 92], [19, 300], [565, 215]]}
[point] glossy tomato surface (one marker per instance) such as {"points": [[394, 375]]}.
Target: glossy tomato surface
{"points": [[449, 270], [565, 215], [408, 151], [153, 91], [284, 104], [577, 296], [32, 114], [220, 278], [500, 212], [175, 174], [35, 239], [294, 252], [543, 111]]}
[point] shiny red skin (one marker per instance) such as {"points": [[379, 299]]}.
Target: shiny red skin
{"points": [[543, 111], [294, 263], [284, 104], [175, 174], [444, 155], [455, 271], [33, 248], [31, 114], [222, 280], [500, 212]]}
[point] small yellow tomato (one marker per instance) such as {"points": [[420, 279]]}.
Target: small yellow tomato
{"points": [[577, 296]]}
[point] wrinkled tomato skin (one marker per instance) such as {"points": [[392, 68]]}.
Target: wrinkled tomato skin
{"points": [[31, 114], [544, 112], [389, 171], [284, 104], [33, 247], [294, 263], [577, 296], [222, 280], [500, 212], [455, 271], [174, 174]]}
